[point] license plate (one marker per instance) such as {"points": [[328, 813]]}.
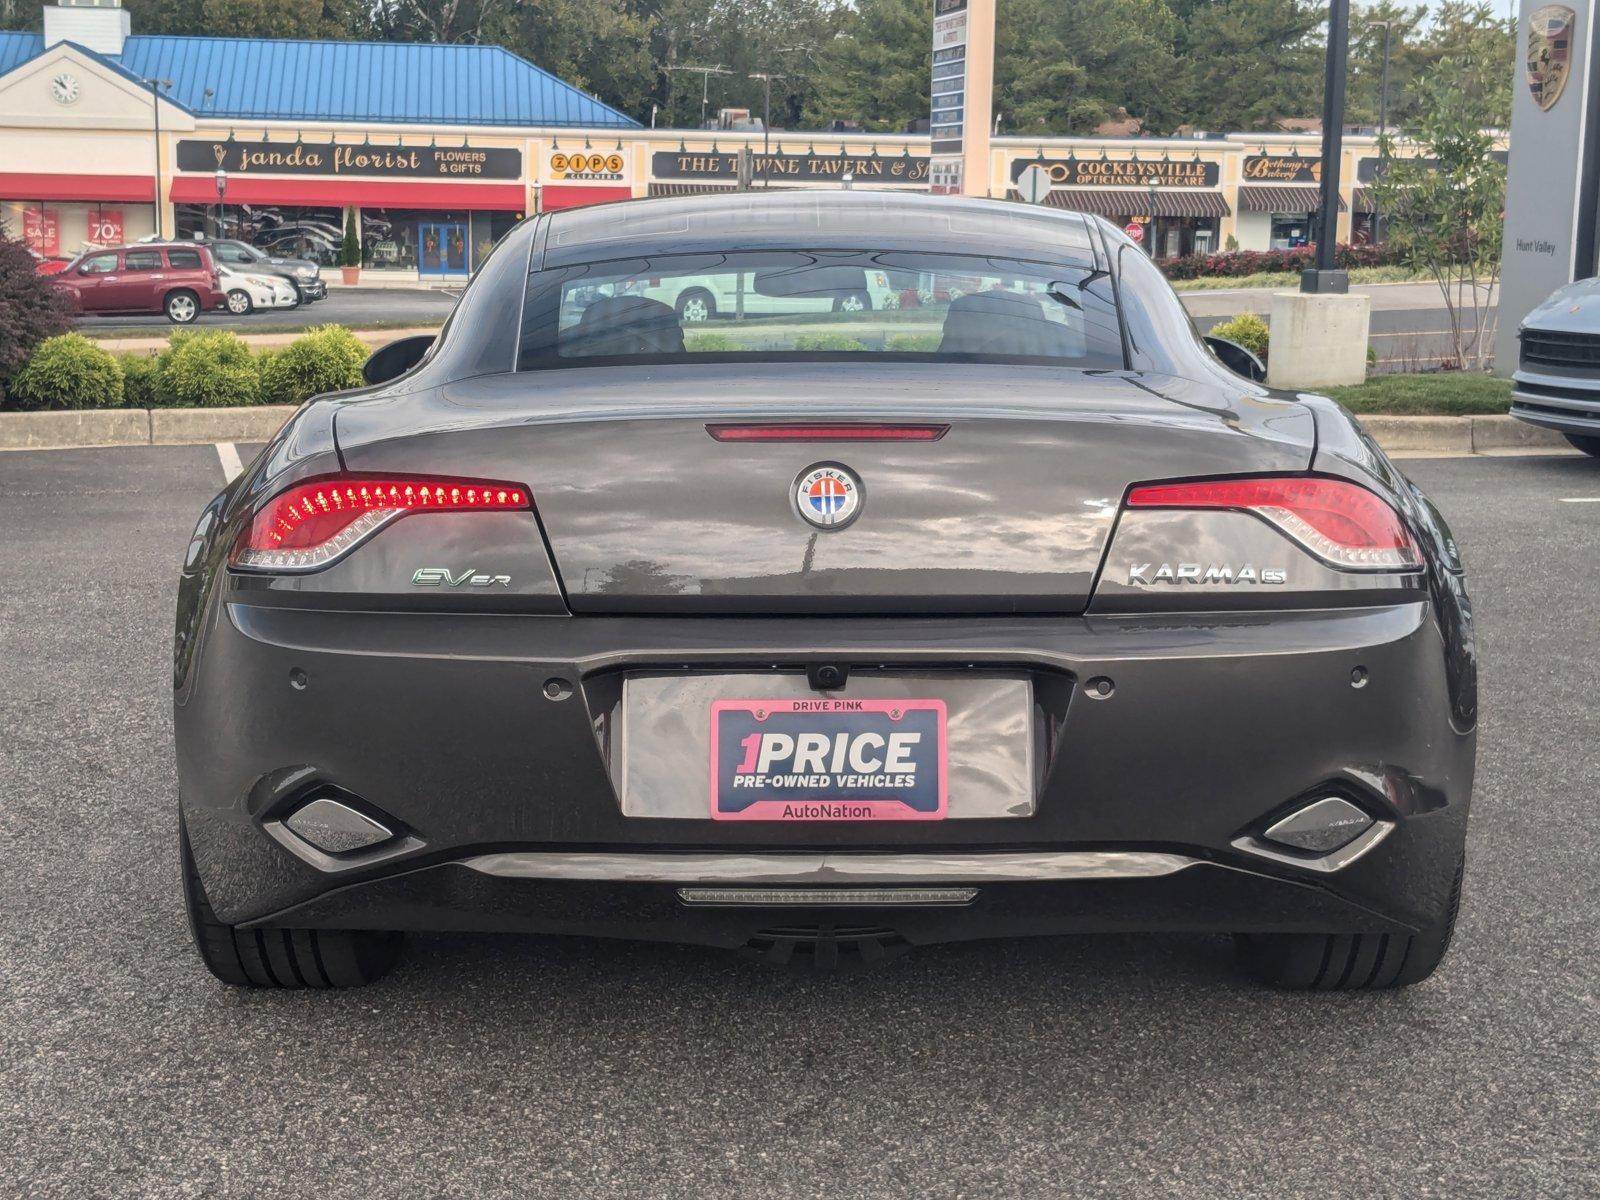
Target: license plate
{"points": [[828, 759]]}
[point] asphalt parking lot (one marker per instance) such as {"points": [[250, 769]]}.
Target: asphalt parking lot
{"points": [[490, 1067]]}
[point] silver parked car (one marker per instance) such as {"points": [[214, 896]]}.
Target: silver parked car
{"points": [[1557, 381]]}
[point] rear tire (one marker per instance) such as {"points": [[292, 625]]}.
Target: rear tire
{"points": [[1589, 445], [696, 306], [1344, 962], [281, 958], [182, 307], [853, 302]]}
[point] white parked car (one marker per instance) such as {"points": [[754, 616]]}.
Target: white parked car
{"points": [[699, 298], [247, 291]]}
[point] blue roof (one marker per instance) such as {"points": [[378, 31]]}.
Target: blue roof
{"points": [[408, 83]]}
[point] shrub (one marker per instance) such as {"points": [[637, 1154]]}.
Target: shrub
{"points": [[30, 309], [206, 370], [1249, 330], [709, 343], [327, 359], [139, 375], [68, 371], [912, 343], [350, 250], [827, 341], [1235, 263]]}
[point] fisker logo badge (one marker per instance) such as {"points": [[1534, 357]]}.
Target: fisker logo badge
{"points": [[827, 496], [440, 577], [1150, 573]]}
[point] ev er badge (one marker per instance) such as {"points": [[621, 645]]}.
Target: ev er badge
{"points": [[827, 496]]}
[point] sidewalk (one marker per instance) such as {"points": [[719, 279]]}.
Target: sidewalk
{"points": [[1386, 297], [372, 338]]}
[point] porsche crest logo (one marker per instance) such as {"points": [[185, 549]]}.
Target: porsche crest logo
{"points": [[1549, 53]]}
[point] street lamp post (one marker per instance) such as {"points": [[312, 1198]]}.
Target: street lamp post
{"points": [[222, 202], [705, 74], [1324, 277], [766, 78], [1383, 125], [155, 195], [1152, 183]]}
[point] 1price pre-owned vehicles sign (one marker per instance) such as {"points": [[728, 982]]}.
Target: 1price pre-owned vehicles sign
{"points": [[322, 158]]}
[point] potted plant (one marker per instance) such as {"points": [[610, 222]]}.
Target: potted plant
{"points": [[350, 252]]}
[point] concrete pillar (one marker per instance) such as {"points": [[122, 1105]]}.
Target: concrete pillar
{"points": [[1318, 339]]}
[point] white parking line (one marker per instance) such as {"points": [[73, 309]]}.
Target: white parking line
{"points": [[229, 458], [1580, 500]]}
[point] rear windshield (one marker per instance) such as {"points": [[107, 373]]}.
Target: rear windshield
{"points": [[801, 305]]}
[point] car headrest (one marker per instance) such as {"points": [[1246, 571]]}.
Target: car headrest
{"points": [[625, 325], [1000, 322]]}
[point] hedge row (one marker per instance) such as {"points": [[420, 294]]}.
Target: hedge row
{"points": [[1251, 262], [214, 369]]}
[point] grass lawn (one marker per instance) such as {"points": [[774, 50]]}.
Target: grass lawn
{"points": [[1443, 394], [1291, 279]]}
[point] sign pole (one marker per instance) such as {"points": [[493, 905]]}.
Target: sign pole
{"points": [[1326, 278], [962, 97], [980, 96]]}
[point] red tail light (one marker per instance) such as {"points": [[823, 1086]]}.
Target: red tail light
{"points": [[312, 524], [827, 433], [1341, 523]]}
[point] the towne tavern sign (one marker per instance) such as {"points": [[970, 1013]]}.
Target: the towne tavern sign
{"points": [[1122, 172], [792, 168], [323, 158]]}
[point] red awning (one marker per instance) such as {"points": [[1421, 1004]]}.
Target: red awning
{"points": [[571, 195], [124, 189], [340, 193]]}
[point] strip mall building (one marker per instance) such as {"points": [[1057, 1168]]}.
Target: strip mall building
{"points": [[106, 137]]}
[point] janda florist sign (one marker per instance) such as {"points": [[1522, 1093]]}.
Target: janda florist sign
{"points": [[340, 158], [809, 167]]}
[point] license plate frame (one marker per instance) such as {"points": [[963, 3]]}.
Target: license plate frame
{"points": [[890, 786]]}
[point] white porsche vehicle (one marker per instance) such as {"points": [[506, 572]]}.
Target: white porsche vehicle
{"points": [[247, 291]]}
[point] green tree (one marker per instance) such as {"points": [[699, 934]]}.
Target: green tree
{"points": [[1250, 63], [876, 68], [1445, 206]]}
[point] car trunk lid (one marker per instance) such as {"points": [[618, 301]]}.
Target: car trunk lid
{"points": [[646, 512]]}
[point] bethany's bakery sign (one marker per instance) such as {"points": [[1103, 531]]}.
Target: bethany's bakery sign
{"points": [[1282, 168], [321, 158], [1121, 172], [800, 168]]}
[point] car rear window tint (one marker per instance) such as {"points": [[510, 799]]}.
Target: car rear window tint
{"points": [[804, 304], [184, 260]]}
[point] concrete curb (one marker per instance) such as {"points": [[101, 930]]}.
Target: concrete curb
{"points": [[139, 427], [189, 426], [181, 426]]}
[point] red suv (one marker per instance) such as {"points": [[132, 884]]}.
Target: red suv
{"points": [[178, 280]]}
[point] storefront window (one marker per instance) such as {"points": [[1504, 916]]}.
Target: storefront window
{"points": [[63, 229], [1290, 230], [282, 230], [431, 242]]}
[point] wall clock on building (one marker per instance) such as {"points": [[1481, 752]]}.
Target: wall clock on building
{"points": [[64, 88]]}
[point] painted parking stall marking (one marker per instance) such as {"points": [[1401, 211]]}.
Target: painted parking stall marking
{"points": [[828, 759]]}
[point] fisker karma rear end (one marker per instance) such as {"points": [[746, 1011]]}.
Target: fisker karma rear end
{"points": [[820, 628]]}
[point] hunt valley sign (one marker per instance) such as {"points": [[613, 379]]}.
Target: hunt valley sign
{"points": [[320, 158], [1121, 172], [798, 168]]}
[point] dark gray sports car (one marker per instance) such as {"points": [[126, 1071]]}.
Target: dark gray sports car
{"points": [[998, 606]]}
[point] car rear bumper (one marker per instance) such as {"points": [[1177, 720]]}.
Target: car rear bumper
{"points": [[1145, 814]]}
